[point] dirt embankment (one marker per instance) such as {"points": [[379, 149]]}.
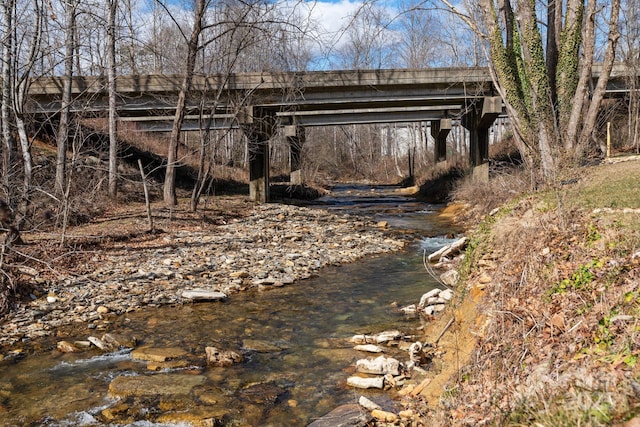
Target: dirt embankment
{"points": [[546, 327]]}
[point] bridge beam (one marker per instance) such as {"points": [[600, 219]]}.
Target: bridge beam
{"points": [[296, 138], [258, 126], [440, 130], [478, 118]]}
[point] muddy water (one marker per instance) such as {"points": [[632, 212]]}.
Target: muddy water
{"points": [[293, 338]]}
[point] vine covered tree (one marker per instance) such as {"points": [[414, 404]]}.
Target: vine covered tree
{"points": [[541, 56]]}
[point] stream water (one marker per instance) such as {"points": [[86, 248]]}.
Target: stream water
{"points": [[297, 356]]}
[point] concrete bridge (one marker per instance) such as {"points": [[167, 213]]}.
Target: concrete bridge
{"points": [[260, 103]]}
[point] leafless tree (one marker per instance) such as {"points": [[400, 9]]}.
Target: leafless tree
{"points": [[192, 51], [630, 55], [111, 72], [22, 24], [419, 46], [70, 8], [370, 43], [8, 42]]}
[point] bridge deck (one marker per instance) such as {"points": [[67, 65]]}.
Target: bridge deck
{"points": [[305, 98]]}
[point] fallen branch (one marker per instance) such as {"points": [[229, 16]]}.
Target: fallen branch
{"points": [[146, 196], [444, 331]]}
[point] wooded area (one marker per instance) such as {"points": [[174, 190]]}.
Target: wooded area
{"points": [[540, 55]]}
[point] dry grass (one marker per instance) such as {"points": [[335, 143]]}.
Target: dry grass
{"points": [[505, 183], [560, 344]]}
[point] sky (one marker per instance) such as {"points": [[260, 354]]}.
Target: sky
{"points": [[328, 18]]}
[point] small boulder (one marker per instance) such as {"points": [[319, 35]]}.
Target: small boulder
{"points": [[67, 347], [119, 341], [368, 404], [425, 297], [450, 277], [384, 416], [369, 348], [217, 357], [154, 385], [157, 354], [446, 295], [203, 295], [360, 382], [409, 309], [379, 366], [343, 416]]}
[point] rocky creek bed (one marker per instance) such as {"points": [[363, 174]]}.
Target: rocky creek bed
{"points": [[196, 372], [266, 246]]}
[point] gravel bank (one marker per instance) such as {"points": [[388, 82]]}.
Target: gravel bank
{"points": [[272, 245]]}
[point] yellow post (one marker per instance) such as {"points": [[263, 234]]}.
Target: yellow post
{"points": [[608, 139]]}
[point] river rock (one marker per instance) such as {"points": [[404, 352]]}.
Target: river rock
{"points": [[260, 346], [446, 295], [168, 364], [117, 341], [379, 338], [99, 343], [450, 277], [384, 416], [217, 357], [113, 412], [369, 348], [350, 415], [406, 414], [379, 366], [265, 281], [428, 310], [67, 347], [415, 352], [438, 307], [368, 404], [425, 297], [360, 382], [157, 354], [154, 385], [409, 309], [198, 416], [203, 295], [102, 309], [263, 393]]}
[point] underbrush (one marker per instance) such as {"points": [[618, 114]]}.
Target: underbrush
{"points": [[506, 182], [562, 342]]}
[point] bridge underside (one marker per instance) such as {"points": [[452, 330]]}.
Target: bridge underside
{"points": [[260, 123], [260, 103]]}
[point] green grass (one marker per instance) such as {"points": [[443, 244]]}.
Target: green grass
{"points": [[609, 186]]}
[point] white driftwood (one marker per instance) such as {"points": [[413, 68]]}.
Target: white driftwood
{"points": [[447, 250]]}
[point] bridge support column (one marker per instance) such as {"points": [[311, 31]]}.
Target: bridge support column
{"points": [[295, 137], [440, 130], [258, 126], [477, 120]]}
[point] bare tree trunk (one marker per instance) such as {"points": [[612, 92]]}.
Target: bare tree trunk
{"points": [[7, 79], [203, 173], [21, 90], [111, 75], [591, 116], [170, 176], [65, 111]]}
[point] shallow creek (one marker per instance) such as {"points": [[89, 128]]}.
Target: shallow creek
{"points": [[294, 340]]}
